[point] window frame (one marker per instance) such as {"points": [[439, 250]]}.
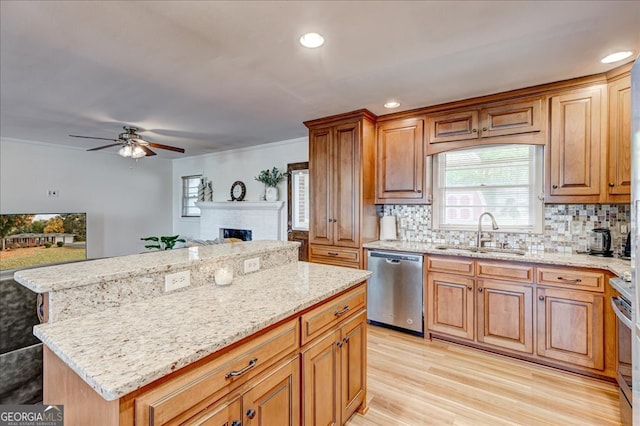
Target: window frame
{"points": [[536, 195], [185, 198]]}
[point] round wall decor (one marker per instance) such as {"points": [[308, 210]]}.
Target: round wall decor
{"points": [[238, 191]]}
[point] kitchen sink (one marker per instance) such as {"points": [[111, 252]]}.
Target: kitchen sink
{"points": [[473, 249]]}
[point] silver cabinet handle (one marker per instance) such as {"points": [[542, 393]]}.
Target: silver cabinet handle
{"points": [[237, 373], [341, 311]]}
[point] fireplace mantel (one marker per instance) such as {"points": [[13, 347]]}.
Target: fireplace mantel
{"points": [[266, 219], [240, 205]]}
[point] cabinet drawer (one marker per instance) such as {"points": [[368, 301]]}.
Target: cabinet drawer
{"points": [[320, 319], [339, 253], [571, 278], [450, 264], [505, 271], [178, 398]]}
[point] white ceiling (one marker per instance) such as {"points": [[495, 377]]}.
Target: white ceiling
{"points": [[212, 76]]}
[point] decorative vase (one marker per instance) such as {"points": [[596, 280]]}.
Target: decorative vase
{"points": [[271, 193]]}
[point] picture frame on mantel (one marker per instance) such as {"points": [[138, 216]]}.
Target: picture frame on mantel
{"points": [[238, 191]]}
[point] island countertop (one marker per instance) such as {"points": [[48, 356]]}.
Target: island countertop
{"points": [[121, 349]]}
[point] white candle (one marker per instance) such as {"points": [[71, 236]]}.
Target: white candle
{"points": [[224, 275]]}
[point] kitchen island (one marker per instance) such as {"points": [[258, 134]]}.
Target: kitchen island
{"points": [[234, 353]]}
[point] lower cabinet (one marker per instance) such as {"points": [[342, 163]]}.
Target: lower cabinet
{"points": [[550, 314], [334, 373], [450, 304], [571, 327], [505, 315], [272, 400]]}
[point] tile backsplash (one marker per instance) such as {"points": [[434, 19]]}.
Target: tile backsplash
{"points": [[566, 227]]}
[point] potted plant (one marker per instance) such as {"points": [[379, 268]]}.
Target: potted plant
{"points": [[163, 242], [271, 179]]}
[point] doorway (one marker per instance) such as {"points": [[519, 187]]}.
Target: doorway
{"points": [[298, 207]]}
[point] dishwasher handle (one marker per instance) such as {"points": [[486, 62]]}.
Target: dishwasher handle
{"points": [[395, 258]]}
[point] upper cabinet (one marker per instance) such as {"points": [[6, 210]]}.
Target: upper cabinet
{"points": [[573, 159], [401, 163], [619, 158], [522, 119], [341, 173]]}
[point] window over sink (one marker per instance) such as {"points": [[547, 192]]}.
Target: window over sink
{"points": [[505, 180]]}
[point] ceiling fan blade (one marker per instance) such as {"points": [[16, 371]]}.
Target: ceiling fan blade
{"points": [[105, 146], [91, 137], [167, 147], [147, 150]]}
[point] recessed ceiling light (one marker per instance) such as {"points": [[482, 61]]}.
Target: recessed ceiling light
{"points": [[392, 104], [311, 40], [615, 57]]}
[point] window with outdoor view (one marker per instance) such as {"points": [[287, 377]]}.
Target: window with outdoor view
{"points": [[190, 195], [505, 180]]}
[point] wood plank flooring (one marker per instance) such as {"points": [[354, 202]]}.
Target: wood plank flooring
{"points": [[413, 381]]}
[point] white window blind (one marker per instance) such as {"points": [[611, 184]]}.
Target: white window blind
{"points": [[505, 180], [300, 200], [190, 195]]}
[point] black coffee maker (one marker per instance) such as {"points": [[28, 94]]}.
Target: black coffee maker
{"points": [[600, 242]]}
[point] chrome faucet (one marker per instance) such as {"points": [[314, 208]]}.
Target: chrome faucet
{"points": [[494, 225]]}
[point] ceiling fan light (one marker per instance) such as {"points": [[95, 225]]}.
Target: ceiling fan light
{"points": [[138, 152], [125, 151]]}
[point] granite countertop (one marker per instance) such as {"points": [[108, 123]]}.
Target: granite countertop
{"points": [[77, 274], [612, 264], [121, 349]]}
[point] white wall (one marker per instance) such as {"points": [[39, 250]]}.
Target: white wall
{"points": [[226, 167], [124, 200]]}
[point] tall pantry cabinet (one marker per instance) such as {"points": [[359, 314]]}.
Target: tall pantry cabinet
{"points": [[342, 192]]}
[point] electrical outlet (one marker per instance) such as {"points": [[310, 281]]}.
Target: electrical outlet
{"points": [[624, 229], [178, 280], [52, 192], [251, 265]]}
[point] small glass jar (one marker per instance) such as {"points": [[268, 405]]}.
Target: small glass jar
{"points": [[223, 275]]}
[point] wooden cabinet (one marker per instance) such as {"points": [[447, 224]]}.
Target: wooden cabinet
{"points": [[575, 153], [543, 313], [505, 315], [341, 157], [272, 400], [400, 162], [570, 327], [479, 125], [619, 147], [334, 373], [450, 305]]}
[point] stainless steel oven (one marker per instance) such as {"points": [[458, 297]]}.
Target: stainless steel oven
{"points": [[622, 308]]}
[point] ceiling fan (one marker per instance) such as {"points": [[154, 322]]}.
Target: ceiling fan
{"points": [[131, 143]]}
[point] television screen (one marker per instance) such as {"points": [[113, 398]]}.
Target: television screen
{"points": [[41, 239]]}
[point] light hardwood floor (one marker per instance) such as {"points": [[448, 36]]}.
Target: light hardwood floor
{"points": [[413, 381]]}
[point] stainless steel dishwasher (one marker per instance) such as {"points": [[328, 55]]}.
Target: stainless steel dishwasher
{"points": [[395, 291]]}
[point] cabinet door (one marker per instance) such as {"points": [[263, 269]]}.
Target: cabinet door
{"points": [[619, 173], [353, 372], [455, 126], [505, 315], [512, 118], [345, 190], [570, 327], [450, 305], [275, 399], [400, 162], [228, 413], [575, 150], [320, 385], [320, 186]]}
